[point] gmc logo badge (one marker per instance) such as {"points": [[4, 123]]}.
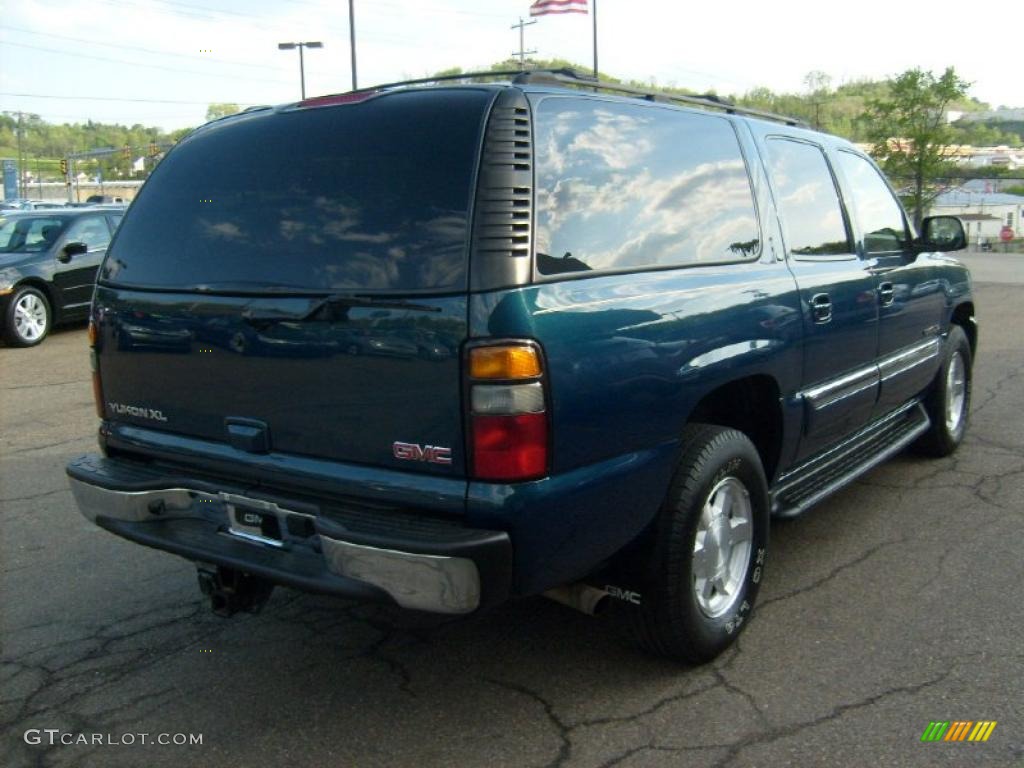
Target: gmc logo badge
{"points": [[432, 454]]}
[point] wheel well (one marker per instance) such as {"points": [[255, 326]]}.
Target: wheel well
{"points": [[963, 316], [750, 405]]}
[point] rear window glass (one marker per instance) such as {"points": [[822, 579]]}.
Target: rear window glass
{"points": [[367, 196], [628, 187]]}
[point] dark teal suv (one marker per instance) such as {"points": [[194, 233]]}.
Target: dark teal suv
{"points": [[452, 343]]}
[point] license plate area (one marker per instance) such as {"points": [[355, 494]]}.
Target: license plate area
{"points": [[264, 521]]}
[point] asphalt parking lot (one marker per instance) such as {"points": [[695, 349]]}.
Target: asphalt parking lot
{"points": [[896, 603]]}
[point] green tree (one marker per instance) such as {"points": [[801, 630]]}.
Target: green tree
{"points": [[221, 109], [909, 133]]}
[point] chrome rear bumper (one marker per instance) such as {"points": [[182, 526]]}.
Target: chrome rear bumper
{"points": [[202, 525]]}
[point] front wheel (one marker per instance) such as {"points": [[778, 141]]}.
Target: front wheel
{"points": [[707, 556], [949, 401], [28, 317]]}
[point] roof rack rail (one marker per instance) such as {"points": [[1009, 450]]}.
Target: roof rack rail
{"points": [[708, 100], [509, 73], [566, 76]]}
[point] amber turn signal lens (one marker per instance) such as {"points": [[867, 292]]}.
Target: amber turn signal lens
{"points": [[93, 333], [504, 362]]}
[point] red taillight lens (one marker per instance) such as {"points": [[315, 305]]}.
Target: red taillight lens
{"points": [[510, 447], [507, 412], [339, 98]]}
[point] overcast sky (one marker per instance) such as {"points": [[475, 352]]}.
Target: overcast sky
{"points": [[145, 61]]}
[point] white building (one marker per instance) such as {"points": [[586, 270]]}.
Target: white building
{"points": [[984, 214]]}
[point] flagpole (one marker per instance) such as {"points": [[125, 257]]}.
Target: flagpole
{"points": [[595, 39]]}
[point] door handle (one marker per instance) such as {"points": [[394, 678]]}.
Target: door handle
{"points": [[821, 307], [886, 293]]}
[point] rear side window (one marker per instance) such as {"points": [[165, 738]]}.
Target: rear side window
{"points": [[878, 212], [630, 187], [808, 199], [29, 234], [372, 196]]}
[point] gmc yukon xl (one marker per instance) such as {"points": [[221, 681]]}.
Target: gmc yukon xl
{"points": [[446, 344]]}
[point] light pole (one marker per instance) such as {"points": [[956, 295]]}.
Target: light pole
{"points": [[352, 40], [302, 64]]}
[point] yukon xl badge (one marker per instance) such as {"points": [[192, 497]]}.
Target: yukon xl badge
{"points": [[138, 411], [432, 454]]}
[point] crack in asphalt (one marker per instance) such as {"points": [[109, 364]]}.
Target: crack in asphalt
{"points": [[841, 568], [992, 392], [565, 742], [33, 496], [22, 450], [41, 386], [835, 713]]}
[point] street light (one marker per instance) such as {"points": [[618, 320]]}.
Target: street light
{"points": [[302, 65]]}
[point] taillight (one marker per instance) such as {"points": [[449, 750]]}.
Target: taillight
{"points": [[508, 412], [97, 385]]}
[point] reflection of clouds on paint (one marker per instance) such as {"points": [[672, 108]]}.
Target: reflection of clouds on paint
{"points": [[620, 186]]}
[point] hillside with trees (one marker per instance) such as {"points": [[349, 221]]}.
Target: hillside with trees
{"points": [[43, 144], [839, 109]]}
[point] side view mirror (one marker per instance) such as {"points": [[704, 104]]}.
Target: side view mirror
{"points": [[71, 249], [942, 233]]}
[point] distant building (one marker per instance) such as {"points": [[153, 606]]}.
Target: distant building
{"points": [[984, 214], [1000, 157], [965, 154]]}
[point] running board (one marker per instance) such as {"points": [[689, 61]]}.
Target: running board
{"points": [[800, 489]]}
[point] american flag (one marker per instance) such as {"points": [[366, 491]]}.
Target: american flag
{"points": [[544, 7]]}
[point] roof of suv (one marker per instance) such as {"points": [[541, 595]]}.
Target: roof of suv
{"points": [[550, 81]]}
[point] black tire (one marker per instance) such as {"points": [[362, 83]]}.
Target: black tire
{"points": [[943, 436], [15, 332], [670, 621]]}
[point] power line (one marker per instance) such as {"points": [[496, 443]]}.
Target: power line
{"points": [[195, 12], [139, 64], [111, 98], [139, 48]]}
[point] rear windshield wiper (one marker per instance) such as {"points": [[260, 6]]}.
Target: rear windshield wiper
{"points": [[327, 309]]}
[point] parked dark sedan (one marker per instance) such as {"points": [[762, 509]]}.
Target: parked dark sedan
{"points": [[48, 263]]}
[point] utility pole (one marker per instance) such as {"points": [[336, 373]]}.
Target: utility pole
{"points": [[523, 53], [352, 41], [595, 39], [21, 159], [817, 114]]}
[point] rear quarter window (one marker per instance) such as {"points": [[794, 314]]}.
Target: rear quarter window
{"points": [[368, 196], [631, 187]]}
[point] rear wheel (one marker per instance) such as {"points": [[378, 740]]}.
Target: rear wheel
{"points": [[707, 557], [28, 317], [949, 401]]}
